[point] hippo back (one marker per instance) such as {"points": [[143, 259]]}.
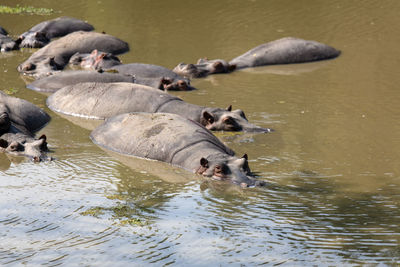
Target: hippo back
{"points": [[55, 82], [285, 51], [60, 26], [157, 136], [103, 100], [145, 70], [24, 114]]}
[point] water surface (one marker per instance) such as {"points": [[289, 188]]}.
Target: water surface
{"points": [[332, 163]]}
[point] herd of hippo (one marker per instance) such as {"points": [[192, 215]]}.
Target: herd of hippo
{"points": [[141, 118]]}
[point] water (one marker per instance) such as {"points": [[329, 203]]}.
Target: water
{"points": [[332, 164]]}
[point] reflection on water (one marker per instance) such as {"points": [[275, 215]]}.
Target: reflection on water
{"points": [[332, 164]]}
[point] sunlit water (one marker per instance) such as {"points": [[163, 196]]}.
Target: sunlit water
{"points": [[332, 164]]}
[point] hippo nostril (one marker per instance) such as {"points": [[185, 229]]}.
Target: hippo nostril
{"points": [[36, 159]]}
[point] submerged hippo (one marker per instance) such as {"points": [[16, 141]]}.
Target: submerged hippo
{"points": [[96, 60], [284, 51], [57, 81], [154, 76], [56, 55], [104, 100], [175, 140], [41, 34], [19, 120], [6, 43]]}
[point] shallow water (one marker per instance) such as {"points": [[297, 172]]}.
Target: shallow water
{"points": [[332, 163]]}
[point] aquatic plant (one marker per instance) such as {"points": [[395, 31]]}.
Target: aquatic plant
{"points": [[25, 9]]}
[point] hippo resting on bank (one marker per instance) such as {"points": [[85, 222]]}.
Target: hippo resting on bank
{"points": [[56, 55], [104, 100], [154, 76], [283, 51], [19, 120], [6, 43], [57, 81], [41, 34], [96, 60], [176, 140]]}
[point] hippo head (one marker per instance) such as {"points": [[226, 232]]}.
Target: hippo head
{"points": [[175, 85], [203, 68], [44, 67], [215, 65], [35, 149], [233, 169], [96, 60], [216, 119], [33, 40]]}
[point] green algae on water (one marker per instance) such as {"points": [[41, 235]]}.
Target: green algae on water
{"points": [[25, 10]]}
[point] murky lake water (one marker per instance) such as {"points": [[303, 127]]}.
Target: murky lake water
{"points": [[332, 163]]}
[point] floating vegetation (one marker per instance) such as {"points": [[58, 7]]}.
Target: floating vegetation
{"points": [[10, 91], [25, 10], [122, 213]]}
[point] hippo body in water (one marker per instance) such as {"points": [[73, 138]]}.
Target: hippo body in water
{"points": [[154, 76], [6, 43], [57, 81], [175, 140], [56, 55], [283, 51], [19, 120], [101, 101], [41, 34]]}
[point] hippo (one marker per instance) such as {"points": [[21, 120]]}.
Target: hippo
{"points": [[19, 120], [104, 100], [57, 81], [203, 68], [41, 34], [6, 43], [154, 76], [96, 60], [284, 51], [56, 55], [175, 140]]}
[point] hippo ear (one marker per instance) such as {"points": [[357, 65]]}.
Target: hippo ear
{"points": [[204, 162], [229, 108], [3, 143], [245, 156], [208, 117]]}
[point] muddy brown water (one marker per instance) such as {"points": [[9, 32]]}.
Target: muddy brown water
{"points": [[332, 164]]}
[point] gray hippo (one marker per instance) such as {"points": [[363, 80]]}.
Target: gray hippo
{"points": [[6, 43], [41, 34], [56, 55], [96, 60], [57, 81], [104, 100], [154, 76], [175, 140], [283, 51], [19, 120]]}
